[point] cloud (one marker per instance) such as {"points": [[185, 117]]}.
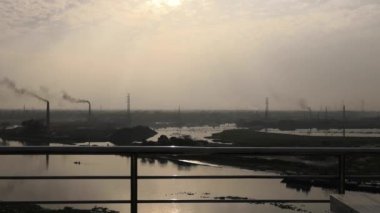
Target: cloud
{"points": [[218, 49], [19, 16]]}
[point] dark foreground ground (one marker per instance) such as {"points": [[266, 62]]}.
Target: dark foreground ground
{"points": [[30, 208]]}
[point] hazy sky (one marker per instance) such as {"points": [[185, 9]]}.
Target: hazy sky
{"points": [[201, 54]]}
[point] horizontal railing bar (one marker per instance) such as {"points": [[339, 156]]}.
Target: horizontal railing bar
{"points": [[68, 202], [34, 150], [187, 177], [363, 176], [180, 177], [233, 201], [63, 177], [240, 177], [165, 201]]}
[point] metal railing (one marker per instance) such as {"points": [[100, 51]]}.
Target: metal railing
{"points": [[135, 151]]}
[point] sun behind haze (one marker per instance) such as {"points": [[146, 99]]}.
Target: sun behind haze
{"points": [[201, 54], [170, 3]]}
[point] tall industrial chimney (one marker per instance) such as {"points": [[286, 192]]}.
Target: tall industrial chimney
{"points": [[266, 108], [89, 111], [344, 120], [179, 121], [67, 97], [47, 115], [129, 121]]}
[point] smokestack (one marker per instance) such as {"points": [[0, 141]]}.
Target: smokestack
{"points": [[21, 91], [89, 111], [47, 115], [179, 117], [129, 122], [344, 120], [67, 97], [304, 106], [266, 108]]}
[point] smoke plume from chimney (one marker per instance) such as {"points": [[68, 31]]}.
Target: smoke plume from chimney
{"points": [[302, 103], [304, 106], [71, 99], [20, 91]]}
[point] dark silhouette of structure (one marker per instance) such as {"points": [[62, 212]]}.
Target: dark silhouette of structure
{"points": [[47, 115], [266, 108], [344, 120], [67, 97], [179, 117], [129, 117], [89, 111]]}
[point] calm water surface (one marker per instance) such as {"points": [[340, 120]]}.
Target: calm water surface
{"points": [[329, 132], [148, 189]]}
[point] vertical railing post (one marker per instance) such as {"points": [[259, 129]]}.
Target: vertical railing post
{"points": [[134, 183], [342, 173]]}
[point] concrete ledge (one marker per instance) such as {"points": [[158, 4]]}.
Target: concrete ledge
{"points": [[355, 203]]}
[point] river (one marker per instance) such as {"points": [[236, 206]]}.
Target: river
{"points": [[328, 132], [148, 189]]}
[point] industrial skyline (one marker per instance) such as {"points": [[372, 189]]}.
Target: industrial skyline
{"points": [[22, 93]]}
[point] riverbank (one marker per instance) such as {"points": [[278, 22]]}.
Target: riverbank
{"points": [[34, 132], [254, 138]]}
